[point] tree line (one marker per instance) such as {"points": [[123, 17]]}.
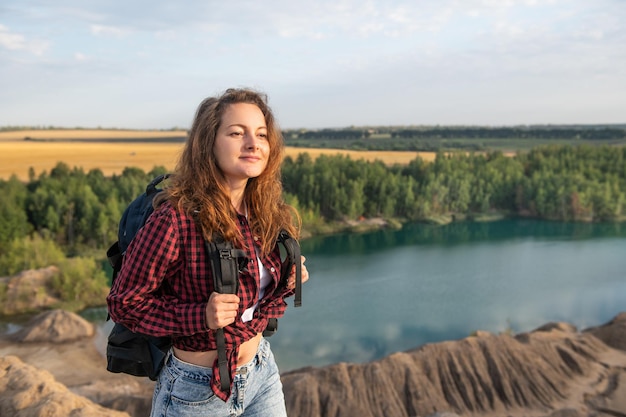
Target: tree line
{"points": [[565, 132], [80, 211], [585, 132], [564, 183], [472, 138]]}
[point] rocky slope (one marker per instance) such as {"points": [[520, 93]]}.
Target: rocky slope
{"points": [[53, 368], [57, 349], [28, 291], [553, 371], [26, 391]]}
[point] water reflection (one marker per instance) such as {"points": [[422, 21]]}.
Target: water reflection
{"points": [[459, 233]]}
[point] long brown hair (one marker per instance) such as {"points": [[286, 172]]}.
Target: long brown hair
{"points": [[198, 186]]}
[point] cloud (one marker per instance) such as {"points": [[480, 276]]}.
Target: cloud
{"points": [[434, 59], [18, 42], [114, 31], [80, 56]]}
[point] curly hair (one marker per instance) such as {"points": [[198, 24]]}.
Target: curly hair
{"points": [[198, 186]]}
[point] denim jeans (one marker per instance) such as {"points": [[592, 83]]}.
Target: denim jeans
{"points": [[183, 389]]}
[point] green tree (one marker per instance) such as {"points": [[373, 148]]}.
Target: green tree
{"points": [[13, 220], [29, 253]]}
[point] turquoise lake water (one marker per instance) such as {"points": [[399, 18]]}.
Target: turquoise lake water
{"points": [[377, 293]]}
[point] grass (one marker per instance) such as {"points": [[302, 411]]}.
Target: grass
{"points": [[17, 156]]}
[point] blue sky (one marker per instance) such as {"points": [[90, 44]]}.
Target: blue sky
{"points": [[323, 63]]}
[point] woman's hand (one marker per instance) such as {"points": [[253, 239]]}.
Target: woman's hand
{"points": [[221, 310], [291, 281]]}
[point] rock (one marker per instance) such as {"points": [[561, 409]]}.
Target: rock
{"points": [[482, 333], [56, 326], [64, 345], [566, 412], [27, 291], [557, 327], [612, 401], [612, 333], [552, 371], [29, 392], [132, 395]]}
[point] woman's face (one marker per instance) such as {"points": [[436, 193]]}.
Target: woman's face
{"points": [[241, 146]]}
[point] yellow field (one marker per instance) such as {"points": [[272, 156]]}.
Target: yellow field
{"points": [[17, 156], [60, 134]]}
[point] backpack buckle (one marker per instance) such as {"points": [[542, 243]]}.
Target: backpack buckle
{"points": [[225, 254]]}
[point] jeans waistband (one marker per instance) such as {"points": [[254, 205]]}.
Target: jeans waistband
{"points": [[260, 357]]}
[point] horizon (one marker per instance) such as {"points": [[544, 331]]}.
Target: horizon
{"points": [[618, 125]]}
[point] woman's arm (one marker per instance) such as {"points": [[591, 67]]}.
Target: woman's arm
{"points": [[138, 298]]}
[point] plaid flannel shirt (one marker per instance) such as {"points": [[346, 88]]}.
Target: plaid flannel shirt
{"points": [[165, 282]]}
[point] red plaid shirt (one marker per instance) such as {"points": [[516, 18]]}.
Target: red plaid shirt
{"points": [[165, 281]]}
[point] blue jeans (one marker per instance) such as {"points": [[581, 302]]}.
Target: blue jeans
{"points": [[183, 390]]}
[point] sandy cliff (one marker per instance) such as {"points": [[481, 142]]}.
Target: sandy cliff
{"points": [[552, 371], [62, 344], [53, 368]]}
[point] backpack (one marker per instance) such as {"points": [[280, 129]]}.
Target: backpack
{"points": [[143, 355]]}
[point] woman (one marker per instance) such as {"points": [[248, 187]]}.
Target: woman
{"points": [[227, 183]]}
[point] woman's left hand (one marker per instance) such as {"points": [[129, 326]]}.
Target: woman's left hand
{"points": [[291, 282]]}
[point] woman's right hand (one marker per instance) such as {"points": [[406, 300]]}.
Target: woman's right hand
{"points": [[221, 310]]}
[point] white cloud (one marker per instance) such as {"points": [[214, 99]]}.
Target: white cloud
{"points": [[113, 31], [404, 52], [18, 42], [10, 40]]}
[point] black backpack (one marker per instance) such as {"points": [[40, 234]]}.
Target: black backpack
{"points": [[143, 355]]}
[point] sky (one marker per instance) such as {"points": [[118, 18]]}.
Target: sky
{"points": [[323, 64]]}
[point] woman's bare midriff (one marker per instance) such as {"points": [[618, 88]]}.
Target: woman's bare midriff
{"points": [[247, 350]]}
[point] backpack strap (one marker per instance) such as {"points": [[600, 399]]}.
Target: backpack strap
{"points": [[292, 249], [225, 266]]}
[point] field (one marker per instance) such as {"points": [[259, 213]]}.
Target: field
{"points": [[90, 149], [88, 134]]}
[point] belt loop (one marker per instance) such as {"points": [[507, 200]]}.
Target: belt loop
{"points": [[168, 356], [264, 351]]}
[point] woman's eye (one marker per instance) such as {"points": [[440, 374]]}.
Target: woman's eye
{"points": [[237, 134], [263, 135]]}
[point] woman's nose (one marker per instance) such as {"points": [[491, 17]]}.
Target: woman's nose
{"points": [[252, 142]]}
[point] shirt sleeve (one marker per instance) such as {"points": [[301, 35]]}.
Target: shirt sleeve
{"points": [[136, 298]]}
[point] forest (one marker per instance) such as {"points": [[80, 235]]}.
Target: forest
{"points": [[434, 138], [75, 214]]}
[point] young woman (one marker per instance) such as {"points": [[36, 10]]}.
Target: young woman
{"points": [[226, 183]]}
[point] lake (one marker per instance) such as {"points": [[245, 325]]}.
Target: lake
{"points": [[376, 293], [386, 291]]}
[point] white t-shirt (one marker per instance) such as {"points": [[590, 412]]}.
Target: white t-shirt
{"points": [[265, 280]]}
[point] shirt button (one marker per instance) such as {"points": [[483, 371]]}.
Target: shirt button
{"points": [[256, 238], [272, 269]]}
